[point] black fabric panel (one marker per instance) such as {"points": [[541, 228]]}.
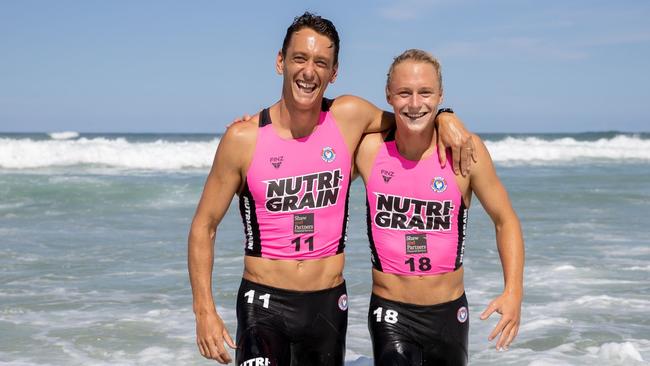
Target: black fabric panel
{"points": [[252, 228]]}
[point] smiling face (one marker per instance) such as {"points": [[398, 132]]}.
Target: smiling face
{"points": [[308, 67], [414, 91]]}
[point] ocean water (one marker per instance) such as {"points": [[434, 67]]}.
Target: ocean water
{"points": [[93, 235]]}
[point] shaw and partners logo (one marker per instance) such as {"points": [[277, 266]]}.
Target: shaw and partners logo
{"points": [[310, 191], [404, 213]]}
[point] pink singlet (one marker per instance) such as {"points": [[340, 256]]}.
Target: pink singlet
{"points": [[416, 214], [294, 204]]}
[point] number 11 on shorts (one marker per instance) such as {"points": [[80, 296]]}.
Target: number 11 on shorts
{"points": [[250, 295]]}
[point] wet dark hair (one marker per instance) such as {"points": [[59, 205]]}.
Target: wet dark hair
{"points": [[321, 25]]}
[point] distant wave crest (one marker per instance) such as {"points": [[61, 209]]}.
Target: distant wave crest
{"points": [[115, 153], [537, 151], [64, 135], [23, 153]]}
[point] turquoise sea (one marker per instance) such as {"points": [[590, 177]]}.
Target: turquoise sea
{"points": [[93, 232]]}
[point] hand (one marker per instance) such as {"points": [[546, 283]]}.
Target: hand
{"points": [[211, 333], [452, 133], [246, 117], [509, 306]]}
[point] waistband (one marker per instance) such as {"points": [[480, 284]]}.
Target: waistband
{"points": [[462, 300], [287, 292]]}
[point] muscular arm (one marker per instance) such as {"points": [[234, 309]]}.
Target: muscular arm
{"points": [[358, 117], [494, 198], [222, 183], [365, 154]]}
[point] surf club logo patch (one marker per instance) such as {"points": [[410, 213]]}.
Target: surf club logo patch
{"points": [[328, 154], [438, 184], [461, 315], [343, 302], [387, 175]]}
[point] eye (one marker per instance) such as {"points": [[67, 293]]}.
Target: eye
{"points": [[299, 59], [404, 94]]}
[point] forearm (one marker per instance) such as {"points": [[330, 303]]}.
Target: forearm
{"points": [[511, 252], [200, 261], [384, 122]]}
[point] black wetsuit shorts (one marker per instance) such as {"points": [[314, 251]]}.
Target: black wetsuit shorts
{"points": [[417, 335], [277, 327]]}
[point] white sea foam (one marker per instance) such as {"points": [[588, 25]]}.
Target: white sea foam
{"points": [[605, 301], [64, 135], [564, 268], [64, 149], [617, 352], [533, 150], [544, 323], [116, 153]]}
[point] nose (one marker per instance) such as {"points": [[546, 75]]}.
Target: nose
{"points": [[414, 101], [309, 70]]}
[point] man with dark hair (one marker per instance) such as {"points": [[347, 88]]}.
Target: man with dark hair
{"points": [[291, 167]]}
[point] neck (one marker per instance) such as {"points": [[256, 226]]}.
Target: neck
{"points": [[416, 145], [297, 121]]}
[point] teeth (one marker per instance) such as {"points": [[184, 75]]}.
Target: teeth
{"points": [[415, 115], [307, 86]]}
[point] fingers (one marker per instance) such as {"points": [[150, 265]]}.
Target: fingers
{"points": [[456, 158], [465, 161], [474, 153], [228, 339], [442, 153], [203, 350], [512, 333], [497, 329], [213, 349], [503, 343], [492, 307], [222, 355], [468, 155]]}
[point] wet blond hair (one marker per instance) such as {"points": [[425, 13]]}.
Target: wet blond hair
{"points": [[415, 55]]}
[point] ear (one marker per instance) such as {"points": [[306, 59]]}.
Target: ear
{"points": [[279, 63], [335, 74], [387, 96]]}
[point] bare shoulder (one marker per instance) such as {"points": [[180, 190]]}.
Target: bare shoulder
{"points": [[351, 105], [483, 167], [237, 144], [371, 142], [479, 146], [366, 152], [354, 115], [242, 132]]}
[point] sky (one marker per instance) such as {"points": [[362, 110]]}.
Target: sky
{"points": [[194, 66]]}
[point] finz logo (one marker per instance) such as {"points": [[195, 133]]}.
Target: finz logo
{"points": [[438, 184], [387, 175], [328, 154], [276, 161], [343, 302], [461, 315]]}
